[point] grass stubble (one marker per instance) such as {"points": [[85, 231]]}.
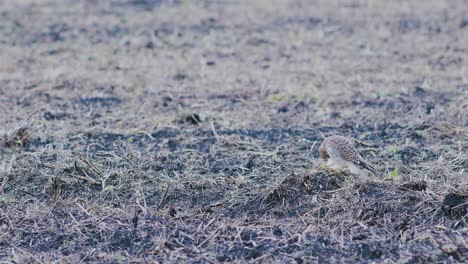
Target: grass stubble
{"points": [[104, 159], [204, 196]]}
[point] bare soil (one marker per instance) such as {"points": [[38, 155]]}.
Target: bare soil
{"points": [[187, 131]]}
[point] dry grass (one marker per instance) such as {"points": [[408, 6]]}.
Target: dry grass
{"points": [[129, 134]]}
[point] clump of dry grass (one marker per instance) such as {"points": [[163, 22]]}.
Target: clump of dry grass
{"points": [[299, 184], [16, 137]]}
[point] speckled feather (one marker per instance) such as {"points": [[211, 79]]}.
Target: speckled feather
{"points": [[341, 148]]}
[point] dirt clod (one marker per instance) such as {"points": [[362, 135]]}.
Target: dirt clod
{"points": [[455, 205], [414, 185]]}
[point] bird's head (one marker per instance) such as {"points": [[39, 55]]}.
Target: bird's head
{"points": [[323, 152]]}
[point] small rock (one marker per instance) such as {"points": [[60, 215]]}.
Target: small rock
{"points": [[166, 100], [150, 45], [193, 118], [419, 91], [283, 109]]}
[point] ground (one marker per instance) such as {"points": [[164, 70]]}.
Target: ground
{"points": [[187, 131]]}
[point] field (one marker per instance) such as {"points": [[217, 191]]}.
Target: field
{"points": [[179, 131]]}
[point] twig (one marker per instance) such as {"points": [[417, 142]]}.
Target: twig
{"points": [[214, 130], [4, 182], [209, 237], [209, 223], [260, 258], [164, 197], [91, 166]]}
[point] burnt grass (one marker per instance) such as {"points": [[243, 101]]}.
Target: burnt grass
{"points": [[129, 136]]}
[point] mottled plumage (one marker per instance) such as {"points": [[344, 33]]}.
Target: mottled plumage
{"points": [[340, 149]]}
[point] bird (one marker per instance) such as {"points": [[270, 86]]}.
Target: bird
{"points": [[339, 152]]}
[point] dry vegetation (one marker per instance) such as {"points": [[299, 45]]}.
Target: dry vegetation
{"points": [[187, 131]]}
